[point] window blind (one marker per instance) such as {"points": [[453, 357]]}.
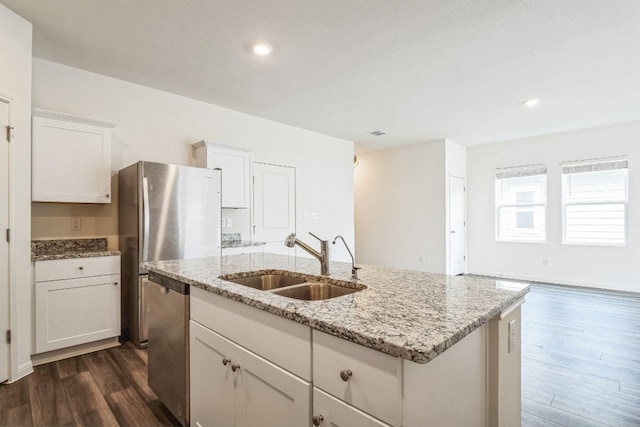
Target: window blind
{"points": [[595, 199], [521, 199]]}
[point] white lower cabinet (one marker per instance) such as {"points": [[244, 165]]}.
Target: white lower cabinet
{"points": [[231, 386], [331, 412], [76, 301], [266, 379]]}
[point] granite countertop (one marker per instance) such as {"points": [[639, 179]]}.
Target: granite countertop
{"points": [[234, 240], [44, 250], [410, 314], [239, 244]]}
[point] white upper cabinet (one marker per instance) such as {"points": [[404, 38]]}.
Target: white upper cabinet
{"points": [[71, 158], [235, 163]]}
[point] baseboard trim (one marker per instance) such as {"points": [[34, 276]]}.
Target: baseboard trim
{"points": [[555, 281], [77, 350]]}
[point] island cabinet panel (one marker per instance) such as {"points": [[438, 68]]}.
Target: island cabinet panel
{"points": [[329, 411], [365, 378], [279, 340], [450, 390], [232, 386], [505, 367], [77, 309]]}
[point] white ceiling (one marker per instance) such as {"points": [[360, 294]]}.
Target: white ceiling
{"points": [[418, 69]]}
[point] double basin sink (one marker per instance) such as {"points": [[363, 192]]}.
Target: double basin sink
{"points": [[293, 286]]}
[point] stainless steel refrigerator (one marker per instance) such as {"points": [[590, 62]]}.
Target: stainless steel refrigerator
{"points": [[165, 212]]}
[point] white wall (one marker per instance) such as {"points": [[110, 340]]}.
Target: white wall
{"points": [[159, 126], [15, 81], [597, 266], [400, 207]]}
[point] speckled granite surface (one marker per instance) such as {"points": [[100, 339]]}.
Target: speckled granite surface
{"points": [[409, 314], [234, 240], [42, 250]]}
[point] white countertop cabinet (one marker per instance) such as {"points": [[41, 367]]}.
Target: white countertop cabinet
{"points": [[71, 158], [77, 301]]}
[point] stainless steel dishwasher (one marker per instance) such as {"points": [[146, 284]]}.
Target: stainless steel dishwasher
{"points": [[168, 351]]}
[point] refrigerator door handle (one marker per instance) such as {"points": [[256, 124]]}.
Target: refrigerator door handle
{"points": [[145, 219]]}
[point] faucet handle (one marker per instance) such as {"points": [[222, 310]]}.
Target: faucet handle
{"points": [[317, 237]]}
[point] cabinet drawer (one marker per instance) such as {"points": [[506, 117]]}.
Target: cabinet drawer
{"points": [[335, 413], [279, 340], [75, 268], [375, 383]]}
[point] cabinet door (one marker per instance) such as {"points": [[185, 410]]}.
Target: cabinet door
{"points": [[76, 311], [331, 412], [71, 162], [235, 164], [235, 176], [269, 396], [211, 380]]}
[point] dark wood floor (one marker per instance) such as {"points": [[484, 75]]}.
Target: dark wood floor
{"points": [[580, 358], [105, 388], [580, 367]]}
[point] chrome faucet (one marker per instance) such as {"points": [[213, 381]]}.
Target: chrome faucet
{"points": [[354, 269], [324, 256]]}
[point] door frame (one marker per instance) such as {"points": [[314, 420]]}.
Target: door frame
{"points": [[449, 223], [10, 312]]}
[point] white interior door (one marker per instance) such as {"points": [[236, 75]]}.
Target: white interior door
{"points": [[274, 204], [4, 245], [457, 240]]}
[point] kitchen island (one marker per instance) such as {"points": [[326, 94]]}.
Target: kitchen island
{"points": [[437, 350]]}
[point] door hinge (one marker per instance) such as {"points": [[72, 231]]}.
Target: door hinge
{"points": [[464, 258], [9, 134], [8, 236], [8, 336]]}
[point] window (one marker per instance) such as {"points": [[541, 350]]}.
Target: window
{"points": [[594, 202], [521, 204]]}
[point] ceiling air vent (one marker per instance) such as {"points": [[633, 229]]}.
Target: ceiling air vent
{"points": [[377, 133]]}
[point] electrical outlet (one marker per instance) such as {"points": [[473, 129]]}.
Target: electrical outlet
{"points": [[420, 258], [223, 223], [306, 215], [76, 224], [545, 262], [315, 215], [229, 222], [512, 336]]}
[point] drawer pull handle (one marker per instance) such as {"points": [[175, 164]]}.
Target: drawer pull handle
{"points": [[81, 268], [346, 374], [235, 367], [317, 419], [226, 361], [115, 283]]}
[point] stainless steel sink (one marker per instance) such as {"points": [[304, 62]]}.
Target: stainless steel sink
{"points": [[316, 291], [266, 282]]}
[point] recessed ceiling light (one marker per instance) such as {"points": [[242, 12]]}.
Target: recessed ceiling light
{"points": [[262, 49], [531, 102], [377, 132]]}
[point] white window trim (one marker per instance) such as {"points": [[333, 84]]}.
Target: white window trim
{"points": [[498, 207], [625, 203]]}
